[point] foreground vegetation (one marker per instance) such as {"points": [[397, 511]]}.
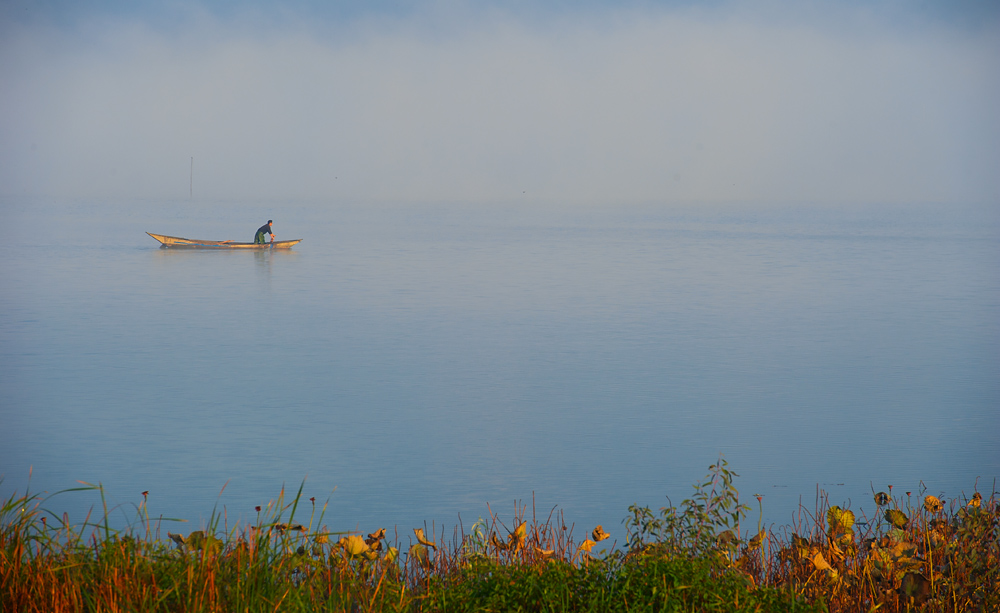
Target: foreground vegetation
{"points": [[914, 554]]}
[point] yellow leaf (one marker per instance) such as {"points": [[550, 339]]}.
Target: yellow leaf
{"points": [[586, 545], [517, 538], [839, 518], [836, 553], [897, 518], [820, 562], [419, 553], [902, 551], [932, 504], [353, 545], [423, 541]]}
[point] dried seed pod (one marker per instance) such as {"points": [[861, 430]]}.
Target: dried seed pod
{"points": [[599, 534]]}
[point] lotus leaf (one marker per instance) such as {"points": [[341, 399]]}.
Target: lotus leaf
{"points": [[836, 552], [897, 518], [204, 542], [902, 551], [545, 553], [915, 585], [517, 538], [932, 504], [726, 539], [936, 538], [878, 561], [820, 562], [845, 538], [802, 546], [419, 553], [841, 539], [353, 545], [423, 541], [842, 518]]}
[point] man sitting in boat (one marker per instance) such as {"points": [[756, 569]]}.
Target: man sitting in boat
{"points": [[258, 238]]}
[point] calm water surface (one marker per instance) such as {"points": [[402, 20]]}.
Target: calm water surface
{"points": [[425, 361]]}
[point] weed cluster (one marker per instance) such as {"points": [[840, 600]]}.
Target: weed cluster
{"points": [[696, 557], [907, 557]]}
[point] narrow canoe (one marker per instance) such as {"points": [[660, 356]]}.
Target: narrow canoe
{"points": [[175, 242]]}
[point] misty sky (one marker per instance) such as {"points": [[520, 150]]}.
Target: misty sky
{"points": [[466, 101]]}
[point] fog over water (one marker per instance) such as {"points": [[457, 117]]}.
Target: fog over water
{"points": [[574, 250], [474, 102], [426, 361]]}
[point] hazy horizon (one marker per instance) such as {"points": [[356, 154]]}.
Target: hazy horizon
{"points": [[477, 102]]}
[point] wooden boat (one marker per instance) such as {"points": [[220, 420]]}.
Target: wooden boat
{"points": [[175, 242]]}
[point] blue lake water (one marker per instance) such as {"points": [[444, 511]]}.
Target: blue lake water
{"points": [[424, 361]]}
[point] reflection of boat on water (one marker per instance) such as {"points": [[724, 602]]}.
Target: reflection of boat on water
{"points": [[175, 242]]}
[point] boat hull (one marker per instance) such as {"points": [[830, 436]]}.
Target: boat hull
{"points": [[176, 242]]}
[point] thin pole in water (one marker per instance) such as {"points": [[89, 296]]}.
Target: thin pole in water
{"points": [[191, 195]]}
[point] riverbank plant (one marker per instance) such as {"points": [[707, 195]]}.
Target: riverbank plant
{"points": [[914, 552]]}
